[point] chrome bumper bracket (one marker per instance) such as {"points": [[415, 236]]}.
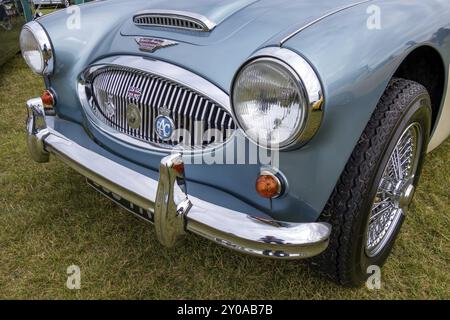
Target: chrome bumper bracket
{"points": [[36, 131], [171, 203]]}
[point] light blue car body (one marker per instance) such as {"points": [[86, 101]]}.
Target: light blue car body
{"points": [[354, 64]]}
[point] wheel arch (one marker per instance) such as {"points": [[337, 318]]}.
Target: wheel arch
{"points": [[425, 65]]}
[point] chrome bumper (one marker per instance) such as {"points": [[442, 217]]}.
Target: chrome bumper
{"points": [[174, 211]]}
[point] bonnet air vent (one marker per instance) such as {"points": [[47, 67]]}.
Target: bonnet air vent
{"points": [[174, 19]]}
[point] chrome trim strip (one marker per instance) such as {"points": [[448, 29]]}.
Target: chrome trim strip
{"points": [[308, 82], [206, 23], [159, 68], [176, 212], [45, 46], [319, 19]]}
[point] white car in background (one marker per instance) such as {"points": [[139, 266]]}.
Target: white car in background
{"points": [[41, 3]]}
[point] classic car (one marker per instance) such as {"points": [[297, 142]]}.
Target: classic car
{"points": [[12, 17], [277, 128]]}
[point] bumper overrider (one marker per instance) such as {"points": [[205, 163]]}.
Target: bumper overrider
{"points": [[174, 212]]}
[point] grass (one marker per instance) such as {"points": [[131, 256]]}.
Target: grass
{"points": [[50, 219]]}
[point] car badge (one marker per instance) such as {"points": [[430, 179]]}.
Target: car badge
{"points": [[134, 93], [133, 116], [152, 44], [164, 127], [110, 108], [164, 111]]}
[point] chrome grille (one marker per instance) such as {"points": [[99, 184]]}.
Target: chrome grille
{"points": [[154, 96], [160, 20]]}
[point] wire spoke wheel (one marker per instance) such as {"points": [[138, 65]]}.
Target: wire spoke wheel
{"points": [[395, 190], [368, 205]]}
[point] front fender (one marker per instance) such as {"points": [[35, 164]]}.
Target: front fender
{"points": [[355, 64]]}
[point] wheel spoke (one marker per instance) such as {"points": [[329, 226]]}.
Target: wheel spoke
{"points": [[373, 217], [393, 167], [375, 206], [398, 165]]}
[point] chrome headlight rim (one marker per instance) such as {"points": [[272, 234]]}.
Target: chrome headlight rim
{"points": [[44, 45], [309, 86]]}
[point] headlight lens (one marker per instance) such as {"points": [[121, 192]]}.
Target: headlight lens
{"points": [[36, 48], [269, 103]]}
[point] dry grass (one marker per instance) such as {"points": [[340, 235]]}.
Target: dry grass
{"points": [[50, 219]]}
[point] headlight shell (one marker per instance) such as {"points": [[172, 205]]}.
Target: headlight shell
{"points": [[277, 99], [36, 48]]}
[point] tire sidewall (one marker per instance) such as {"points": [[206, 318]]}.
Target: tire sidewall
{"points": [[419, 110]]}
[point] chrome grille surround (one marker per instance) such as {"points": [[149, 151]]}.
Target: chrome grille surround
{"points": [[166, 90], [174, 19]]}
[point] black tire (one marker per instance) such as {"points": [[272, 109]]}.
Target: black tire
{"points": [[404, 102]]}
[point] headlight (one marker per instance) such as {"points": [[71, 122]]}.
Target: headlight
{"points": [[277, 104], [36, 48]]}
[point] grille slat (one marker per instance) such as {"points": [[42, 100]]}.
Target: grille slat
{"points": [[115, 88]]}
